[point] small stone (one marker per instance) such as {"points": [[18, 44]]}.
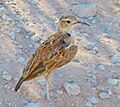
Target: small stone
{"points": [[85, 9], [85, 34], [116, 59], [72, 88], [107, 35], [17, 29], [90, 46], [6, 76], [32, 105], [13, 35], [100, 88], [101, 67], [8, 60], [113, 81], [88, 104], [43, 29], [59, 92], [35, 38], [21, 60], [104, 95], [41, 81], [33, 2], [118, 97], [1, 70], [5, 10], [93, 99], [109, 91]]}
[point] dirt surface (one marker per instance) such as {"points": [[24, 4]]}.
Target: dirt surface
{"points": [[24, 24]]}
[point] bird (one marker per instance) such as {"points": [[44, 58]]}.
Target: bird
{"points": [[56, 51]]}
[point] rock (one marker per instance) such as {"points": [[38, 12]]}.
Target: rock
{"points": [[43, 29], [21, 60], [33, 2], [35, 38], [85, 34], [93, 99], [101, 67], [113, 81], [41, 81], [107, 35], [13, 35], [6, 76], [109, 91], [88, 104], [116, 59], [60, 92], [5, 10], [118, 97], [72, 88], [1, 70], [104, 95], [32, 105], [90, 46], [18, 29], [8, 60], [100, 88], [85, 9]]}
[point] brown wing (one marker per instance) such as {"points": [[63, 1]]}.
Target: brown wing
{"points": [[43, 57], [67, 55]]}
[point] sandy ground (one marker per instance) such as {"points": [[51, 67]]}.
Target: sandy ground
{"points": [[95, 69]]}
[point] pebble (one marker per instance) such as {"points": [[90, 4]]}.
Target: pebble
{"points": [[93, 99], [35, 38], [113, 81], [101, 67], [116, 59], [1, 70], [118, 97], [72, 88], [107, 35], [32, 105], [6, 76], [85, 9], [104, 95], [21, 60], [100, 88], [90, 45], [33, 2], [88, 104], [5, 10], [109, 91], [85, 34], [18, 29], [41, 81], [13, 35]]}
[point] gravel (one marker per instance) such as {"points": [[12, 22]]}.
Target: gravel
{"points": [[72, 88], [93, 99], [101, 67], [116, 59], [88, 104], [35, 38], [85, 9], [104, 95], [6, 76], [21, 60], [113, 81], [32, 105]]}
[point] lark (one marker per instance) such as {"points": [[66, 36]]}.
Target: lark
{"points": [[58, 50]]}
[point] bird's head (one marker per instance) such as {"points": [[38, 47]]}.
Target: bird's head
{"points": [[66, 23]]}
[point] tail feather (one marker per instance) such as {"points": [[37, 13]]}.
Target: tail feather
{"points": [[21, 80]]}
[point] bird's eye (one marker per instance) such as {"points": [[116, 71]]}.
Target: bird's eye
{"points": [[68, 21]]}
